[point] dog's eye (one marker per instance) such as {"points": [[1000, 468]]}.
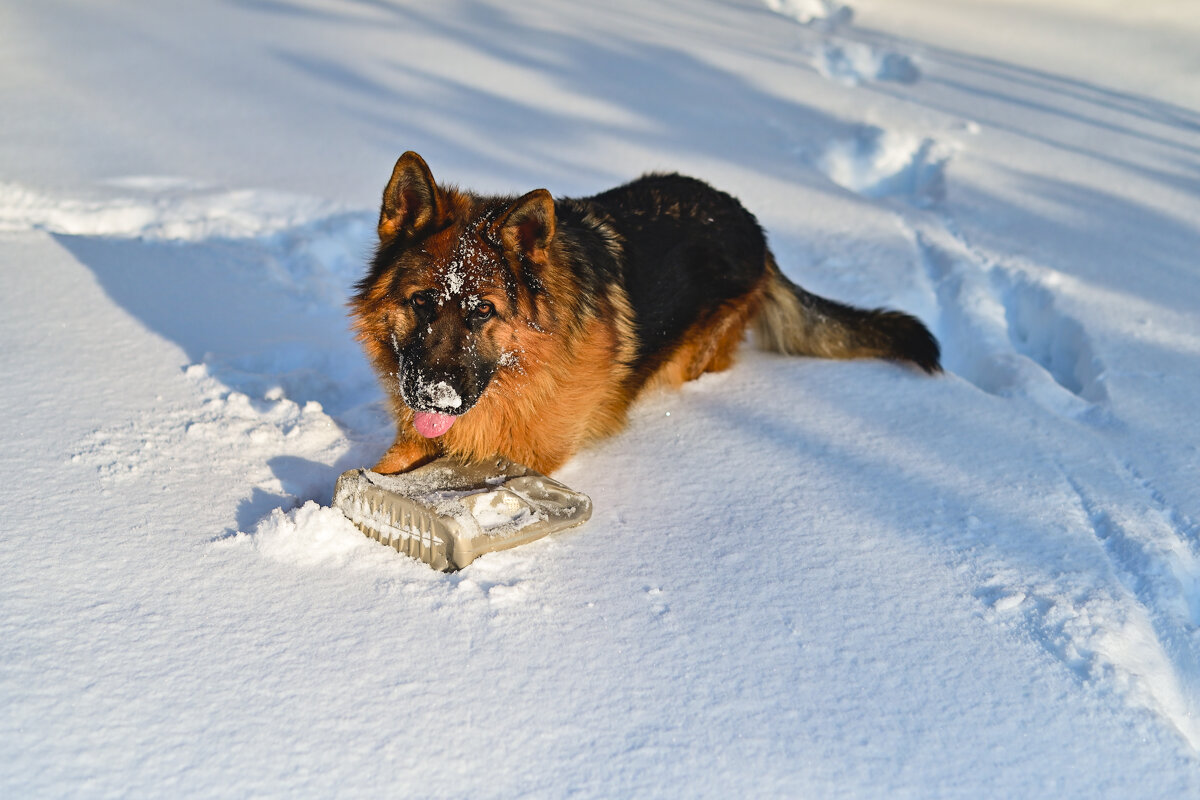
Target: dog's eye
{"points": [[483, 311], [419, 300]]}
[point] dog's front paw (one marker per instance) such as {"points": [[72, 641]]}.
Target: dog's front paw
{"points": [[405, 454]]}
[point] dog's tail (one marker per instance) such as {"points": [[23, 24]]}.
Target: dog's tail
{"points": [[796, 322]]}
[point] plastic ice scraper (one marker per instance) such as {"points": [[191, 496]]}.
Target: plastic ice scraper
{"points": [[448, 513]]}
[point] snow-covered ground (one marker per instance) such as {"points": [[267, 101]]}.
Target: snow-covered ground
{"points": [[802, 578]]}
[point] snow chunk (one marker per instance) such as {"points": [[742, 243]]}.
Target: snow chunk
{"points": [[1009, 602], [501, 511], [311, 535]]}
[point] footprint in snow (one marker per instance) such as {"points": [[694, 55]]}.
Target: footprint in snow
{"points": [[849, 62], [853, 63], [824, 13], [877, 163], [1003, 330]]}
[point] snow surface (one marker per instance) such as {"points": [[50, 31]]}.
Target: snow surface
{"points": [[801, 578]]}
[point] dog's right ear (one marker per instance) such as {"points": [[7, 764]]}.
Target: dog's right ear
{"points": [[412, 202]]}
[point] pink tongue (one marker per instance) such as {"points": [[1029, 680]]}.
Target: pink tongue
{"points": [[432, 425]]}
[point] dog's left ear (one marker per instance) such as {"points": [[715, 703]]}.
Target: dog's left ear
{"points": [[528, 225]]}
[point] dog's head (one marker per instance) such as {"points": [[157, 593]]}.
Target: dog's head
{"points": [[452, 289]]}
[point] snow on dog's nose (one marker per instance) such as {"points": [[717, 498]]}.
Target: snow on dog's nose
{"points": [[440, 395]]}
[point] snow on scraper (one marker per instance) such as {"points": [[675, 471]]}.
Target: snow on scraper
{"points": [[448, 513]]}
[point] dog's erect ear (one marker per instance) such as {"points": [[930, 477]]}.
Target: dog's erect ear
{"points": [[411, 201], [528, 225]]}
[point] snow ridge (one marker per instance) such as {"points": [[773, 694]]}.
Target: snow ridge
{"points": [[161, 209]]}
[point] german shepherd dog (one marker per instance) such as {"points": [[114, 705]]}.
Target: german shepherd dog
{"points": [[525, 327]]}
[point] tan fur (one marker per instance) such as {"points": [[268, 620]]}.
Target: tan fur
{"points": [[711, 344]]}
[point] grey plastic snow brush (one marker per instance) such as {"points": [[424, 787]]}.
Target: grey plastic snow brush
{"points": [[448, 513]]}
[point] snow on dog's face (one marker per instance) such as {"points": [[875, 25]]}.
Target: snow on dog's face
{"points": [[450, 291], [449, 297]]}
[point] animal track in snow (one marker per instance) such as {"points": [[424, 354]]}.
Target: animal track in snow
{"points": [[878, 163], [1057, 342], [1002, 330], [837, 56], [1131, 627], [853, 63], [1125, 616], [823, 12], [1151, 550]]}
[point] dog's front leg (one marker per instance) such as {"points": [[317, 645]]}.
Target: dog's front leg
{"points": [[406, 453]]}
